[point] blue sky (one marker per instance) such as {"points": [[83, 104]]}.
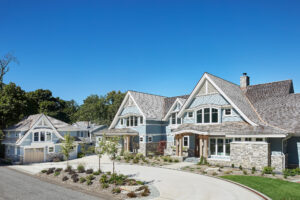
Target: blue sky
{"points": [[79, 48]]}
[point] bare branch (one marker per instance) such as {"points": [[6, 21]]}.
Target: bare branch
{"points": [[4, 65]]}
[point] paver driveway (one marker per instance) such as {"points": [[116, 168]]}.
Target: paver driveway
{"points": [[171, 184]]}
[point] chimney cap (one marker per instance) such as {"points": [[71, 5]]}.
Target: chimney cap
{"points": [[244, 74]]}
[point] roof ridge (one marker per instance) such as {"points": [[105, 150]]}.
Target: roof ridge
{"points": [[270, 82], [221, 78], [146, 93]]}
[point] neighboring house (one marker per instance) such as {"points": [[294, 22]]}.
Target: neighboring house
{"points": [[38, 138], [247, 125]]}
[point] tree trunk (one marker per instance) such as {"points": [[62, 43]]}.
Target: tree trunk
{"points": [[99, 163]]}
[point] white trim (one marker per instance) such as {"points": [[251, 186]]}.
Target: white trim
{"points": [[35, 124], [188, 141], [51, 147], [170, 110], [117, 116], [206, 77], [227, 114], [257, 136], [190, 131]]}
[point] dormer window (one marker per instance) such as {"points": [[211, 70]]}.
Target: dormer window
{"points": [[132, 121], [227, 111], [122, 121], [207, 116], [174, 119], [190, 114]]}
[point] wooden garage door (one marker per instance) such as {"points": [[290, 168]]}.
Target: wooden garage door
{"points": [[34, 155]]}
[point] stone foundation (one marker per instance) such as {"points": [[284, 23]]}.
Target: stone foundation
{"points": [[278, 162], [250, 154], [225, 163], [142, 148]]}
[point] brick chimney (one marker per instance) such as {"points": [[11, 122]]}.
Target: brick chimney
{"points": [[244, 80]]}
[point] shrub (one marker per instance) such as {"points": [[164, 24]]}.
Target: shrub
{"points": [[71, 172], [82, 180], [75, 180], [116, 190], [104, 185], [245, 172], [56, 173], [108, 173], [103, 179], [96, 173], [136, 160], [253, 170], [80, 155], [268, 170], [90, 177], [139, 156], [165, 159], [80, 168], [240, 167], [118, 158], [56, 159], [140, 182], [228, 172], [65, 178], [232, 165], [170, 160], [176, 160], [50, 171], [89, 171], [58, 170], [145, 194], [69, 168], [44, 171], [214, 174], [89, 182], [131, 194], [74, 176]]}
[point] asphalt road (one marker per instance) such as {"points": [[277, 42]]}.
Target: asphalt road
{"points": [[15, 185]]}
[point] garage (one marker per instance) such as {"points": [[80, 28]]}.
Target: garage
{"points": [[34, 155]]}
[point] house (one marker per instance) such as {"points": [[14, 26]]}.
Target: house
{"points": [[247, 125], [37, 138]]}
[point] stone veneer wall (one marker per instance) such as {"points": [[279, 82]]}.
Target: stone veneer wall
{"points": [[278, 162], [250, 154]]}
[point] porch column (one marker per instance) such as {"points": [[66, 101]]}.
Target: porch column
{"points": [[205, 153], [127, 145], [180, 145], [177, 145], [200, 146]]}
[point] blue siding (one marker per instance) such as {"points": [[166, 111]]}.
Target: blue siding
{"points": [[215, 99], [130, 110], [235, 117], [27, 141]]}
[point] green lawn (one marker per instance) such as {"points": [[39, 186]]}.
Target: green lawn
{"points": [[274, 188]]}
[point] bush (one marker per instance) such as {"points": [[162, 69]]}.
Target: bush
{"points": [[104, 185], [232, 165], [75, 180], [89, 171], [50, 171], [65, 178], [56, 173], [136, 160], [131, 194], [80, 155], [165, 159], [118, 158], [80, 168], [71, 172], [170, 160], [108, 173], [240, 167], [44, 171], [214, 174], [96, 173], [56, 159], [74, 176], [58, 170], [90, 177], [176, 160], [69, 168], [103, 179], [253, 170], [89, 182], [268, 170], [116, 190], [139, 156], [245, 172], [140, 182], [82, 180]]}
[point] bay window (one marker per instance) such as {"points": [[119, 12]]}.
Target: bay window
{"points": [[220, 143], [36, 137], [135, 121], [207, 115], [42, 136], [132, 121], [48, 136]]}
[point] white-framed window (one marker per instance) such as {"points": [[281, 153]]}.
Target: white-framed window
{"points": [[150, 139], [81, 134], [227, 112], [259, 139], [42, 136], [207, 115], [141, 139], [219, 146], [174, 119], [190, 114], [248, 139], [122, 121], [50, 149], [132, 121], [237, 139], [186, 141], [48, 136], [141, 120], [36, 136]]}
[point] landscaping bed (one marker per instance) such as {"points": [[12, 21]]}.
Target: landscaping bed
{"points": [[276, 189], [117, 185]]}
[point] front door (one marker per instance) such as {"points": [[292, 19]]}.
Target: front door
{"points": [[197, 146]]}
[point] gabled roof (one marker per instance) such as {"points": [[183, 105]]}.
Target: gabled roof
{"points": [[88, 126], [179, 100], [169, 101]]}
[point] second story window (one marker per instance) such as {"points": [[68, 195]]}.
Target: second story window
{"points": [[135, 121], [141, 120], [199, 116], [190, 114], [173, 118], [36, 136], [132, 121], [42, 136], [207, 115], [122, 121]]}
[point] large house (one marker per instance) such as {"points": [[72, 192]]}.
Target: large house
{"points": [[247, 125], [38, 138]]}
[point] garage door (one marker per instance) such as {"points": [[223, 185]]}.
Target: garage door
{"points": [[34, 155]]}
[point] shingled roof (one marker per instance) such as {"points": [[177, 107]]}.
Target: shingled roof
{"points": [[168, 102]]}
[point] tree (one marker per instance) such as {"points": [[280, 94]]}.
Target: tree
{"points": [[101, 150], [4, 66], [67, 146], [112, 149]]}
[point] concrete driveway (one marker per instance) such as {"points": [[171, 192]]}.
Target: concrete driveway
{"points": [[170, 184]]}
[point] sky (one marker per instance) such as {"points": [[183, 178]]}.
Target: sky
{"points": [[78, 48]]}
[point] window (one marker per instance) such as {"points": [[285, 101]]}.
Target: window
{"points": [[190, 114], [237, 139], [206, 115], [228, 111], [178, 120], [227, 146], [186, 141], [81, 134], [51, 149], [141, 139], [127, 121], [248, 139], [131, 120], [259, 139], [150, 139], [212, 146], [220, 143], [173, 118], [48, 136], [122, 121], [141, 120], [36, 137], [199, 116], [42, 135], [214, 115], [135, 121]]}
